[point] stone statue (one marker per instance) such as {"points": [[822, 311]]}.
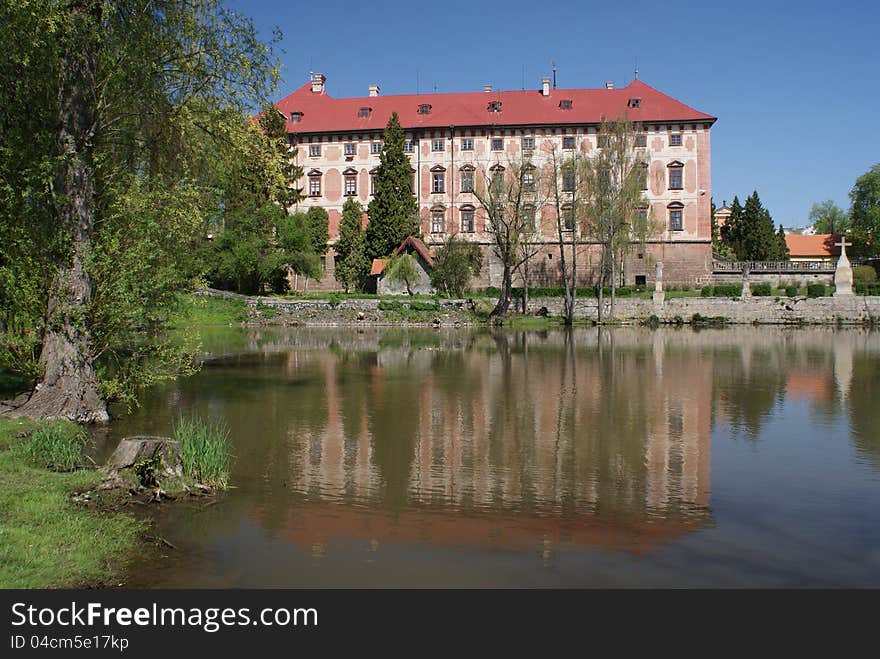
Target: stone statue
{"points": [[659, 295]]}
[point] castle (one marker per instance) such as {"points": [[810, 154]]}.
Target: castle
{"points": [[452, 137]]}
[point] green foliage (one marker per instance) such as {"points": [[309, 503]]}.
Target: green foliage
{"points": [[727, 290], [750, 232], [204, 450], [761, 290], [187, 162], [791, 291], [707, 291], [403, 269], [319, 233], [274, 127], [393, 211], [863, 288], [817, 290], [352, 265], [828, 217], [865, 214], [201, 310], [57, 445], [864, 274], [456, 262]]}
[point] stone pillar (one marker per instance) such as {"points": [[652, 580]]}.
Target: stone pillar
{"points": [[843, 275], [659, 295], [746, 288]]}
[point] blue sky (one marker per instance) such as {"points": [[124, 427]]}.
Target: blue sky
{"points": [[796, 89]]}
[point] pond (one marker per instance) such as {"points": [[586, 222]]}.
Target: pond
{"points": [[435, 458]]}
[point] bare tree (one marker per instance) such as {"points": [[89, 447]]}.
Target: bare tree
{"points": [[564, 183], [614, 202], [506, 196]]}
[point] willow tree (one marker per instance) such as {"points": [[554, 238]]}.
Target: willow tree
{"points": [[507, 198], [117, 117], [613, 200]]}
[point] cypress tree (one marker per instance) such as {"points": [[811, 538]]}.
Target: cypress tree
{"points": [[352, 265], [781, 246], [393, 210], [731, 232]]}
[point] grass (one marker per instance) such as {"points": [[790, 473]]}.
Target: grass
{"points": [[46, 540], [57, 446], [204, 449], [203, 310]]}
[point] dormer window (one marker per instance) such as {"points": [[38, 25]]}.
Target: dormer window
{"points": [[363, 113], [634, 103], [565, 104], [296, 117], [494, 106], [424, 109]]}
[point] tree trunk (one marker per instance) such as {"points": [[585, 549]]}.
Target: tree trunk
{"points": [[600, 307], [504, 298], [68, 385]]}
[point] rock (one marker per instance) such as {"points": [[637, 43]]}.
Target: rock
{"points": [[132, 451], [360, 315]]}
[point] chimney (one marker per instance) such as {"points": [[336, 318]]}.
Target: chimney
{"points": [[545, 86], [609, 85], [487, 88], [374, 90], [318, 81]]}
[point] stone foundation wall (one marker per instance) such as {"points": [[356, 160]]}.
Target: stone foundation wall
{"points": [[778, 280], [761, 310]]}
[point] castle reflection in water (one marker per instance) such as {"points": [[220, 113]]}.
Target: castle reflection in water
{"points": [[586, 439]]}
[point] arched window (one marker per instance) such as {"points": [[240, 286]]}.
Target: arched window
{"points": [[676, 212], [438, 215], [467, 218]]}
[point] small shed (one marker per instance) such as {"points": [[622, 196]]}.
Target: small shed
{"points": [[424, 258]]}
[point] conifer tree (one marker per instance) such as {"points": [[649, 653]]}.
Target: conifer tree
{"points": [[393, 210], [352, 264], [781, 245], [758, 241], [274, 126], [731, 232]]}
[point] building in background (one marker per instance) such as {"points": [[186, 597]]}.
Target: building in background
{"points": [[454, 139]]}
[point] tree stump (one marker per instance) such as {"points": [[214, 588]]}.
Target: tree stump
{"points": [[164, 452]]}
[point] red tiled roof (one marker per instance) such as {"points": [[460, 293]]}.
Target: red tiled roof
{"points": [[323, 113], [411, 241], [820, 245]]}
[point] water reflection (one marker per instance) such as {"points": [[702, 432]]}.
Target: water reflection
{"points": [[547, 441]]}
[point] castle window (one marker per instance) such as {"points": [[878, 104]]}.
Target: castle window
{"points": [[438, 145], [408, 146], [527, 217], [314, 150], [438, 182], [641, 140], [675, 139], [350, 148], [350, 185], [568, 142], [643, 174], [497, 144], [467, 179], [314, 183], [676, 209], [675, 175], [494, 106], [437, 217], [528, 143], [467, 144], [568, 180], [373, 181], [467, 219], [528, 178], [567, 217], [424, 109], [376, 148]]}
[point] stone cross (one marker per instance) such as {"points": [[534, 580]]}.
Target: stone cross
{"points": [[843, 276]]}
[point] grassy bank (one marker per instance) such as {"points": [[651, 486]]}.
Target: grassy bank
{"points": [[202, 310], [47, 540]]}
